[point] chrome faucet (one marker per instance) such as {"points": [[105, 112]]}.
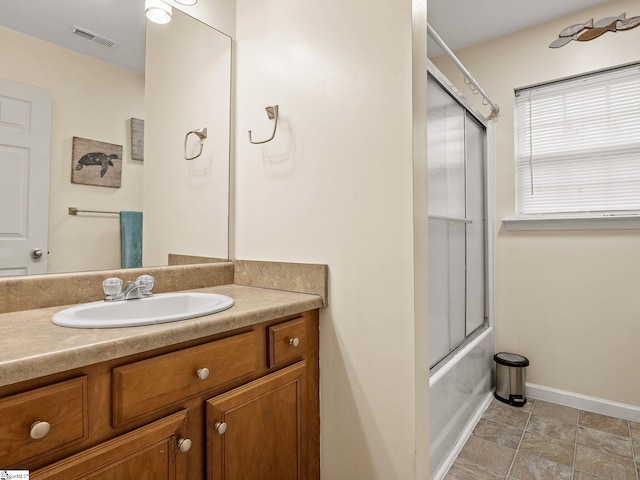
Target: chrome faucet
{"points": [[139, 288]]}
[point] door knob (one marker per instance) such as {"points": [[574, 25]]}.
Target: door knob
{"points": [[35, 253], [294, 342]]}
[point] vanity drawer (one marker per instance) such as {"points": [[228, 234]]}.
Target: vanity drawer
{"points": [[63, 406], [142, 387], [287, 342]]}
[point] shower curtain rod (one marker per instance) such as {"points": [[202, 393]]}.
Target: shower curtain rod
{"points": [[495, 109]]}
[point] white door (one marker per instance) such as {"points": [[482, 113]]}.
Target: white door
{"points": [[25, 150]]}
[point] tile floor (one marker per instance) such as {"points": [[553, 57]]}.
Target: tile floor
{"points": [[545, 441]]}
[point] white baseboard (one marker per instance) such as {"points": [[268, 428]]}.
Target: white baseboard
{"points": [[584, 402]]}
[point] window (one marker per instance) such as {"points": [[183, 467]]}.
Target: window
{"points": [[578, 146]]}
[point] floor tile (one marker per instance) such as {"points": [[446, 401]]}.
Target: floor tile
{"points": [[617, 426], [498, 433], [605, 442], [529, 467], [548, 448], [503, 413], [545, 441], [528, 407], [465, 470], [487, 454], [553, 427], [607, 465], [565, 414], [578, 475], [635, 439]]}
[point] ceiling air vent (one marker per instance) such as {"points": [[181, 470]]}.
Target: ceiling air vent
{"points": [[94, 37]]}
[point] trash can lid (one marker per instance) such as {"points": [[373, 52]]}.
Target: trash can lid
{"points": [[511, 359]]}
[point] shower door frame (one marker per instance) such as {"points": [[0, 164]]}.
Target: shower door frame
{"points": [[471, 110]]}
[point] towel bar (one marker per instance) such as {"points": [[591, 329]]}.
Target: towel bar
{"points": [[75, 211]]}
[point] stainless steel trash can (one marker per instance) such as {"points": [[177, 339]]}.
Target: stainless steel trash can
{"points": [[510, 378]]}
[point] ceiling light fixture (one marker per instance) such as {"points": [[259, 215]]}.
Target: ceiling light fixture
{"points": [[187, 2], [157, 11]]}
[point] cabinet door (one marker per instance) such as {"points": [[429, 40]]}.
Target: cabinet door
{"points": [[148, 453], [258, 431]]}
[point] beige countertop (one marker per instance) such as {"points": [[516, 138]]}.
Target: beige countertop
{"points": [[31, 346]]}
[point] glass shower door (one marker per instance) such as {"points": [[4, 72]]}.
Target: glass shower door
{"points": [[456, 223], [475, 138]]}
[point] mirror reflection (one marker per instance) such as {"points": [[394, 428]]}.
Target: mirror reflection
{"points": [[184, 203]]}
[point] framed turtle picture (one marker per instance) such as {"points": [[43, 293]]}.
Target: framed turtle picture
{"points": [[96, 163]]}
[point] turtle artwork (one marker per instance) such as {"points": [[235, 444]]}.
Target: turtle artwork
{"points": [[96, 163], [97, 158]]}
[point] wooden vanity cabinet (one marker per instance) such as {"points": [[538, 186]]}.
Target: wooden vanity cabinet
{"points": [[149, 452], [258, 431], [152, 384], [43, 419], [240, 405]]}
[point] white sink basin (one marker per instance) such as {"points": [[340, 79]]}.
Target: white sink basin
{"points": [[161, 308]]}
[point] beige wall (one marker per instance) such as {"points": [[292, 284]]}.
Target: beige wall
{"points": [[420, 238], [335, 187], [566, 299], [91, 99]]}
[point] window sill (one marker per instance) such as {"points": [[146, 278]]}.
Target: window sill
{"points": [[629, 222]]}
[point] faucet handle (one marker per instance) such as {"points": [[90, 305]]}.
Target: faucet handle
{"points": [[112, 286], [146, 282]]}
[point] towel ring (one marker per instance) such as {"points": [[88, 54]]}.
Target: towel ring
{"points": [[201, 133], [272, 113]]}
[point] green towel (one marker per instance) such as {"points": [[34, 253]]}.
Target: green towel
{"points": [[130, 239]]}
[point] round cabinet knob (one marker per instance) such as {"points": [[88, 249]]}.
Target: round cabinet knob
{"points": [[36, 253], [294, 342], [184, 444], [220, 427], [39, 430], [202, 373]]}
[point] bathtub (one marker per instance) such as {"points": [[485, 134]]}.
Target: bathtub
{"points": [[460, 391]]}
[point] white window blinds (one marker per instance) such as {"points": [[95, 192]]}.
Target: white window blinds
{"points": [[578, 145]]}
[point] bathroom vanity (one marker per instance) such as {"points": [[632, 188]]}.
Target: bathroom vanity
{"points": [[233, 395]]}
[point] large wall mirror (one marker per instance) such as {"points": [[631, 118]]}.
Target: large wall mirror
{"points": [[175, 78]]}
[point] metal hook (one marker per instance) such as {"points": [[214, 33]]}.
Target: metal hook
{"points": [[471, 86], [201, 133], [272, 113]]}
